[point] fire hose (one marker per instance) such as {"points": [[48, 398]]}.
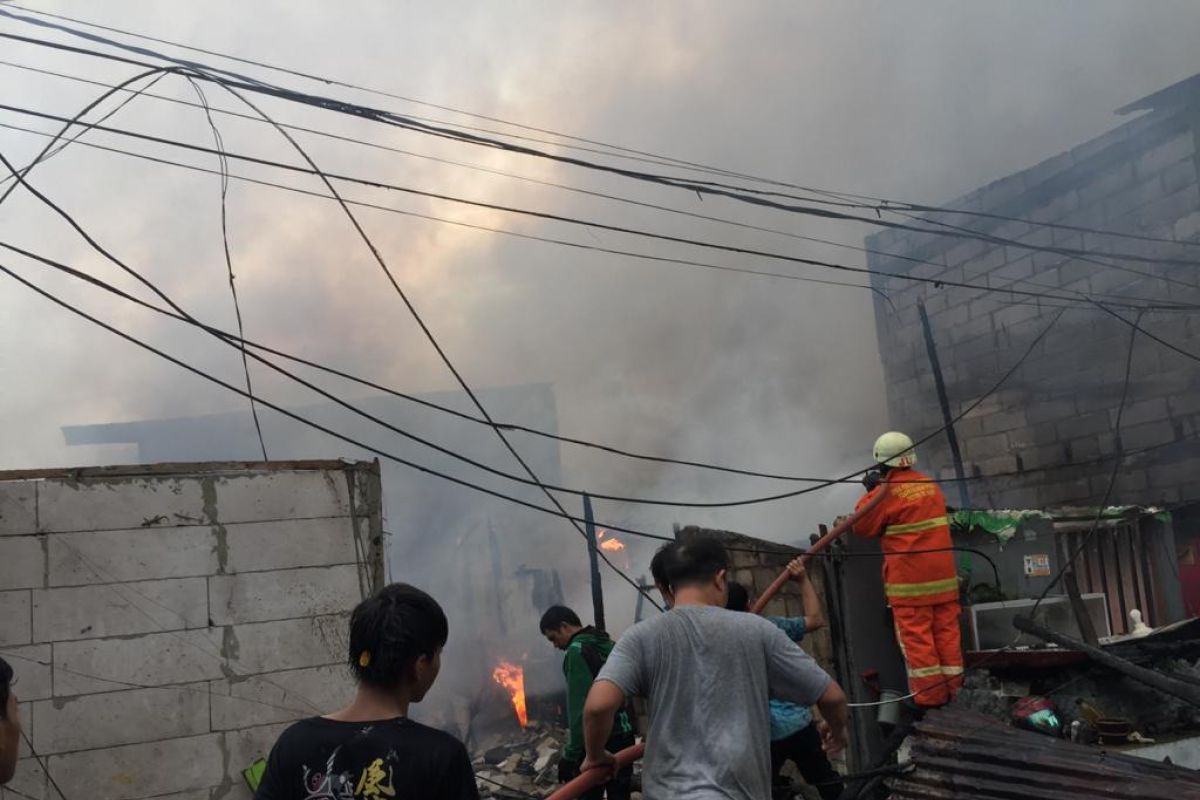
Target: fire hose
{"points": [[596, 777]]}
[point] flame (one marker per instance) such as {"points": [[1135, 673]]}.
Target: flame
{"points": [[613, 545], [512, 678]]}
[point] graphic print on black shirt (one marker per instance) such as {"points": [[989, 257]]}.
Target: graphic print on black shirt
{"points": [[397, 759]]}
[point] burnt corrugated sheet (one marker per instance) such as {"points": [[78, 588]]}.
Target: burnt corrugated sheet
{"points": [[964, 755]]}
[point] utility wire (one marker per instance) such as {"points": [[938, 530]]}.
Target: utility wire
{"points": [[408, 123], [473, 226], [64, 145], [230, 337], [641, 233], [21, 179], [323, 429], [416, 316], [872, 202], [233, 341], [535, 181], [237, 308], [1112, 478]]}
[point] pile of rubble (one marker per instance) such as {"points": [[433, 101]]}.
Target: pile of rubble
{"points": [[523, 765]]}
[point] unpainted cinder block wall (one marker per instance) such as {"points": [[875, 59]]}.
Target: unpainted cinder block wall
{"points": [[1059, 410], [165, 623]]}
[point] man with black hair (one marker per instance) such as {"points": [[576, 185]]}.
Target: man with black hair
{"points": [[585, 651], [371, 750], [708, 674]]}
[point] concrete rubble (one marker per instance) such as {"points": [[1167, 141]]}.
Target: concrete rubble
{"points": [[522, 765]]}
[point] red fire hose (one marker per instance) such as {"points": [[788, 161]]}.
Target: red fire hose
{"points": [[595, 777], [818, 546]]}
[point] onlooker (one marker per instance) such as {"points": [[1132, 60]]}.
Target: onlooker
{"points": [[793, 736], [708, 674], [586, 650], [370, 749], [10, 724]]}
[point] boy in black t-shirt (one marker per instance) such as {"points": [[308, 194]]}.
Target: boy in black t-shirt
{"points": [[370, 750]]}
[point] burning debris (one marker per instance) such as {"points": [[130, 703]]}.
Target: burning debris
{"points": [[512, 678], [613, 545]]}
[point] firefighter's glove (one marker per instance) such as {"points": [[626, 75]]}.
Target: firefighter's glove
{"points": [[872, 479]]}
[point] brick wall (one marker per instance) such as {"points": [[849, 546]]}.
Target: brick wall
{"points": [[166, 623], [1060, 407]]}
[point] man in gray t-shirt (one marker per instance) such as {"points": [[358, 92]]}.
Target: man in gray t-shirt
{"points": [[707, 674]]}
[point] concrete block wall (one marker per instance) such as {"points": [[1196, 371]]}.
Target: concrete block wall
{"points": [[1059, 409], [165, 623]]}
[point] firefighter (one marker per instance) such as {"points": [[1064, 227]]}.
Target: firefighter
{"points": [[921, 587]]}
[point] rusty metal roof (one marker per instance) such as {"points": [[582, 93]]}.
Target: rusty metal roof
{"points": [[964, 755]]}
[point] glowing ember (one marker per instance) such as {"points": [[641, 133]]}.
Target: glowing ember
{"points": [[512, 678]]}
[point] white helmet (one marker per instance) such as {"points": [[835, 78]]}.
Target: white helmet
{"points": [[895, 449]]}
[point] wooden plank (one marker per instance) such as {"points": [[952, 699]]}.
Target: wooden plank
{"points": [[1128, 567]]}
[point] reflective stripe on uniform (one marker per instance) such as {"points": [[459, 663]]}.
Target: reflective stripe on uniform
{"points": [[919, 589], [910, 527], [925, 672], [952, 670]]}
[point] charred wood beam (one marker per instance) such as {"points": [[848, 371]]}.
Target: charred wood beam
{"points": [[1187, 692]]}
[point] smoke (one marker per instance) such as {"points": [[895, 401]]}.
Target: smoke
{"points": [[916, 102]]}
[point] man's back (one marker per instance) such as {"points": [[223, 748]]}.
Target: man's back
{"points": [[705, 673]]}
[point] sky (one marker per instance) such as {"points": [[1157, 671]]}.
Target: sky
{"points": [[919, 101]]}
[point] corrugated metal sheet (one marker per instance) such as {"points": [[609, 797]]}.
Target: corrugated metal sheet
{"points": [[964, 755]]}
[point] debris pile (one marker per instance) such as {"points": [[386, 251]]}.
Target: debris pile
{"points": [[524, 765], [521, 765]]}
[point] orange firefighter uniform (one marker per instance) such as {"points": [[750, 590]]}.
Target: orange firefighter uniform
{"points": [[921, 588]]}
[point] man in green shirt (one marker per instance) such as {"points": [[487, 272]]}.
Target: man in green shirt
{"points": [[585, 651]]}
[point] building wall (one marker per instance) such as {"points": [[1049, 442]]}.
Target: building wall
{"points": [[166, 622], [1060, 408]]}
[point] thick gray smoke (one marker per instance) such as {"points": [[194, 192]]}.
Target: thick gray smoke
{"points": [[916, 101]]}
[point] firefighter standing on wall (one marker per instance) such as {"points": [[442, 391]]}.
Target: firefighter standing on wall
{"points": [[921, 587]]}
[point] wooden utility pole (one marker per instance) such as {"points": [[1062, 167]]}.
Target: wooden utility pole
{"points": [[947, 419], [594, 561]]}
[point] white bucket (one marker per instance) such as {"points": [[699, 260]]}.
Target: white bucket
{"points": [[889, 710]]}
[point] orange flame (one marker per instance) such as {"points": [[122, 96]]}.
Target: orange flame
{"points": [[612, 545], [512, 678]]}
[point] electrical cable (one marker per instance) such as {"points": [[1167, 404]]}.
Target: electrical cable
{"points": [[95, 245], [335, 434], [473, 226], [536, 181], [21, 179], [408, 123], [641, 233], [133, 95], [1112, 478], [43, 764], [1106, 265], [237, 308], [231, 338], [232, 341], [874, 202]]}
